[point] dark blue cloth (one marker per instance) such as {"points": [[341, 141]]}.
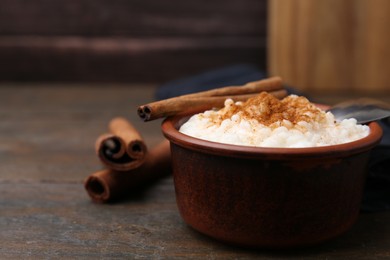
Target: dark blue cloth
{"points": [[377, 189], [233, 75]]}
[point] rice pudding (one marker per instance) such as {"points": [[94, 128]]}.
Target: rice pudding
{"points": [[266, 121]]}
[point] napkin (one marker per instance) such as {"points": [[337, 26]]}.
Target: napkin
{"points": [[377, 189]]}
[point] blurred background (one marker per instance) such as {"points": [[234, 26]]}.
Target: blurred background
{"points": [[322, 46], [127, 40]]}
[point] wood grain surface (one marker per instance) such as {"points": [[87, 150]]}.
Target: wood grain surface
{"points": [[338, 46], [135, 17], [124, 59], [47, 136], [123, 41]]}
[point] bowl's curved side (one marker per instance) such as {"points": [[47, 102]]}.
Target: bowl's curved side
{"points": [[268, 197], [262, 203]]}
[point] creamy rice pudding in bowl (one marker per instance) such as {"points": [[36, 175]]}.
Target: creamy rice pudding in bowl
{"points": [[269, 173]]}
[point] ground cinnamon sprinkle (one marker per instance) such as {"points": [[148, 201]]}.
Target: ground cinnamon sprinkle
{"points": [[267, 110]]}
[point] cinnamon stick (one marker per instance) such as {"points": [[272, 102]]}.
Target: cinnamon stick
{"points": [[123, 148], [109, 185], [194, 104], [165, 107]]}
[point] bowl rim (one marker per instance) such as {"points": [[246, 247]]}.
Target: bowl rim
{"points": [[170, 126]]}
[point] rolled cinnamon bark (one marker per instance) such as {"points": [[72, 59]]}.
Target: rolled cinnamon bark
{"points": [[123, 148], [201, 99], [192, 104], [109, 185]]}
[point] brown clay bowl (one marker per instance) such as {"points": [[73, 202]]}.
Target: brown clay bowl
{"points": [[268, 197]]}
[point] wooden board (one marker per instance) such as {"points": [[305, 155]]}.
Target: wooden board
{"points": [[134, 17], [47, 134], [127, 41], [152, 60], [338, 46]]}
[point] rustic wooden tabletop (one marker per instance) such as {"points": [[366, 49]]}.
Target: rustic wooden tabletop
{"points": [[47, 136]]}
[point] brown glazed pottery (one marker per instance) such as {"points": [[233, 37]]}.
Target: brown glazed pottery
{"points": [[268, 197]]}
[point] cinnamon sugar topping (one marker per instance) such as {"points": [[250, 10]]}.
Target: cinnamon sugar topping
{"points": [[268, 110]]}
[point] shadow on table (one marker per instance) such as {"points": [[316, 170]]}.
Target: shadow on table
{"points": [[365, 237]]}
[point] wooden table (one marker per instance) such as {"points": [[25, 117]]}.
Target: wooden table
{"points": [[47, 135]]}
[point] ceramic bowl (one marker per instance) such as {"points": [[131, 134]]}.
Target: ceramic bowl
{"points": [[268, 197]]}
